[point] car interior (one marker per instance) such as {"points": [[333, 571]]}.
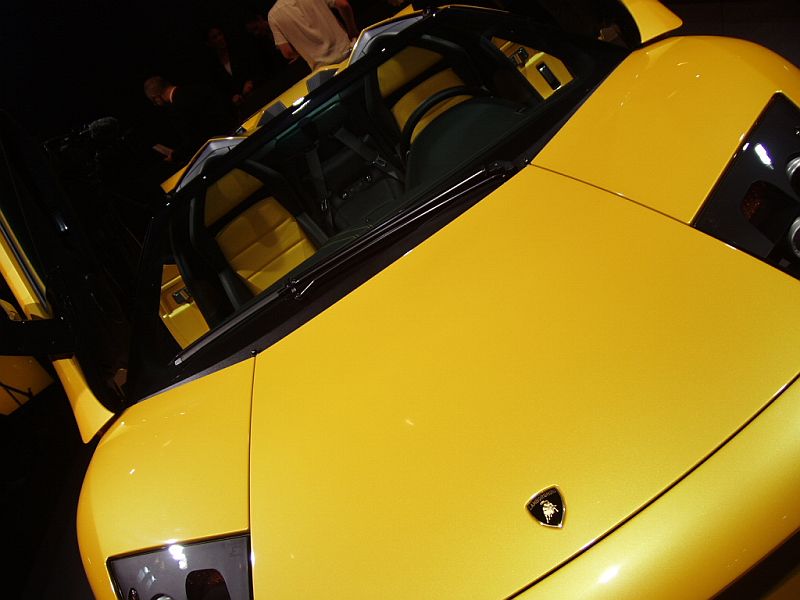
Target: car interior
{"points": [[429, 110]]}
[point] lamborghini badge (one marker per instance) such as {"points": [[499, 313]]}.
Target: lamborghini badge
{"points": [[548, 507]]}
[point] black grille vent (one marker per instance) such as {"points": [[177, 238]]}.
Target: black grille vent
{"points": [[756, 203]]}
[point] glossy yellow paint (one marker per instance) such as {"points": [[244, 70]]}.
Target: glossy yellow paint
{"points": [[397, 436], [652, 18], [663, 126], [173, 467], [709, 529], [12, 272], [90, 414]]}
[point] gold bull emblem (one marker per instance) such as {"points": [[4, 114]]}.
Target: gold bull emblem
{"points": [[548, 509]]}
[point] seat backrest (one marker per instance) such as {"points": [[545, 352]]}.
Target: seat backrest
{"points": [[406, 80], [415, 97], [258, 237], [263, 243], [247, 237]]}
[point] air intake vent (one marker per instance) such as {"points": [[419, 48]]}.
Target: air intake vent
{"points": [[756, 203]]}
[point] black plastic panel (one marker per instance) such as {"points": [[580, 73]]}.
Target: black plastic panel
{"points": [[754, 204]]}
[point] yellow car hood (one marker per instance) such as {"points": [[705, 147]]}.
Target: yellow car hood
{"points": [[554, 334], [663, 126]]}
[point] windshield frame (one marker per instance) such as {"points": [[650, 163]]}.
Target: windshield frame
{"points": [[282, 309]]}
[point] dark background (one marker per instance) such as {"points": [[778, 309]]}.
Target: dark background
{"points": [[771, 23], [69, 63]]}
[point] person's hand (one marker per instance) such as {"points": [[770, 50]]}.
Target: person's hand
{"points": [[237, 99], [288, 52]]}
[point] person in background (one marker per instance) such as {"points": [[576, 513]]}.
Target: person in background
{"points": [[280, 74], [256, 24], [195, 112], [229, 71], [308, 29]]}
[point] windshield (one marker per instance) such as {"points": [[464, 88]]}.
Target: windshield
{"points": [[425, 123]]}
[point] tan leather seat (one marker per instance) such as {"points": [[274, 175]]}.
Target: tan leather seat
{"points": [[264, 243], [257, 236], [408, 65], [408, 79]]}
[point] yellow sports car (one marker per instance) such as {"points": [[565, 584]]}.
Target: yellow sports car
{"points": [[503, 309]]}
